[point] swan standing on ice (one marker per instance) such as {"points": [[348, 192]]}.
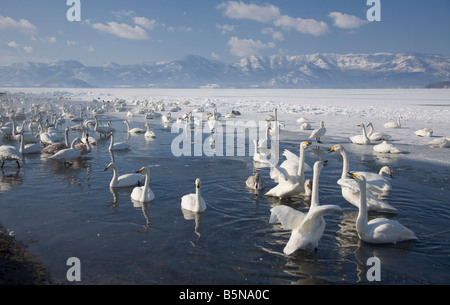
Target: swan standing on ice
{"points": [[117, 146], [379, 230], [362, 139], [194, 202], [394, 124], [125, 180], [68, 154], [350, 190], [133, 130], [376, 136], [319, 132], [307, 229], [386, 148], [426, 132], [10, 153], [143, 193], [255, 182]]}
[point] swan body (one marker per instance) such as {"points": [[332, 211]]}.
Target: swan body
{"points": [[10, 153], [307, 229], [117, 146], [125, 180], [28, 149], [362, 139], [443, 142], [292, 163], [149, 134], [68, 154], [376, 136], [134, 130], [394, 124], [102, 130], [379, 230], [319, 132], [259, 156], [350, 190], [386, 148], [54, 148], [167, 119], [255, 182], [84, 148], [426, 132], [143, 193], [378, 183], [194, 202]]}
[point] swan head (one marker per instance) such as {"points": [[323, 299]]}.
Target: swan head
{"points": [[304, 144], [387, 170], [360, 179], [337, 148], [370, 124], [197, 183], [143, 170], [110, 165]]}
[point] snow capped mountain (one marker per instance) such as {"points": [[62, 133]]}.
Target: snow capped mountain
{"points": [[322, 70]]}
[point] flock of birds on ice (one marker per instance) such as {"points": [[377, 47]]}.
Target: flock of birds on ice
{"points": [[361, 189]]}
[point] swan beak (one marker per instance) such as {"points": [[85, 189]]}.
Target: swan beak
{"points": [[353, 176], [325, 163], [390, 174], [307, 144], [139, 171], [332, 149], [198, 185]]}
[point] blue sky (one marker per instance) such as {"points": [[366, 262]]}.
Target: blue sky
{"points": [[137, 31]]}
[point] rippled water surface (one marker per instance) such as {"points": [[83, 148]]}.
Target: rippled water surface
{"points": [[62, 212]]}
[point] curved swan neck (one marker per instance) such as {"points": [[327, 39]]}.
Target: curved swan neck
{"points": [[361, 222], [115, 174], [111, 143], [315, 188], [345, 166], [66, 136], [370, 132]]}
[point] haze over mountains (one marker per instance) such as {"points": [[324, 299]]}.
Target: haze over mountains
{"points": [[380, 70]]}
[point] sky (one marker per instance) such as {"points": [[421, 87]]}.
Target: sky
{"points": [[138, 31]]}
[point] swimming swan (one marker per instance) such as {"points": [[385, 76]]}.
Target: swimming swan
{"points": [[54, 148], [379, 230], [149, 134], [126, 180], [394, 124], [133, 130], [194, 202], [350, 190], [361, 139], [259, 156], [378, 183], [68, 154], [255, 182], [143, 193], [376, 136], [117, 146], [307, 229]]}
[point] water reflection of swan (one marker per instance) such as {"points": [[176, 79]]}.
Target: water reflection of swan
{"points": [[144, 206], [9, 181], [307, 230], [194, 202], [143, 193], [379, 230]]}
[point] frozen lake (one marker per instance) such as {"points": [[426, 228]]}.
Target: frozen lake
{"points": [[62, 212]]}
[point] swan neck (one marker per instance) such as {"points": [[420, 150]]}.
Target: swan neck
{"points": [[111, 143], [361, 223], [370, 132], [115, 174], [315, 190], [301, 162], [345, 166], [197, 198], [67, 137]]}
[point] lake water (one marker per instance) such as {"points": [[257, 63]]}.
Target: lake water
{"points": [[62, 212]]}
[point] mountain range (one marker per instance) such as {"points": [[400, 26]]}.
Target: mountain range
{"points": [[323, 70]]}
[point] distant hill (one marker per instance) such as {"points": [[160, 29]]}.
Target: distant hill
{"points": [[440, 85], [380, 70]]}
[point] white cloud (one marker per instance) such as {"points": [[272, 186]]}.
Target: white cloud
{"points": [[304, 26], [240, 10], [72, 43], [13, 44], [122, 30], [145, 22], [215, 56], [8, 23], [51, 39], [245, 47], [28, 49], [226, 28], [345, 21], [276, 35]]}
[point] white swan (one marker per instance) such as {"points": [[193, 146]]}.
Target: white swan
{"points": [[84, 148], [319, 132], [425, 132], [386, 148], [149, 134], [350, 190], [361, 139], [133, 130], [443, 142], [376, 136], [259, 156], [102, 130], [143, 193], [379, 230], [194, 202], [125, 180], [394, 124], [306, 229], [167, 119], [378, 183], [117, 146], [68, 154], [54, 148], [292, 163], [29, 149], [10, 153], [290, 182], [255, 182]]}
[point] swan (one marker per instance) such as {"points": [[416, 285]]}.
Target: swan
{"points": [[143, 193], [28, 149], [350, 190], [361, 139], [290, 183], [307, 229], [378, 183], [68, 154], [379, 230], [255, 182], [426, 132], [10, 153], [167, 119], [149, 134], [319, 132], [376, 136], [102, 130], [194, 202], [394, 124], [117, 146], [259, 156], [125, 180], [306, 126], [84, 148], [293, 162], [54, 148], [443, 142], [386, 148], [133, 130]]}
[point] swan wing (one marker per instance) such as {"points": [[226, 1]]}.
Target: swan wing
{"points": [[277, 173], [318, 212], [288, 217]]}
